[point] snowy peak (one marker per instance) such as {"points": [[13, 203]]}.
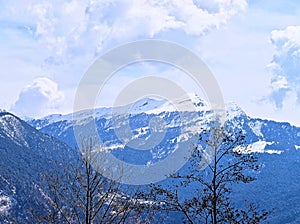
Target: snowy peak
{"points": [[233, 110], [146, 104], [152, 105], [194, 100], [189, 102]]}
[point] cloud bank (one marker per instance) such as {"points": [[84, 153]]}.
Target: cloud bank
{"points": [[78, 28], [39, 98], [285, 66]]}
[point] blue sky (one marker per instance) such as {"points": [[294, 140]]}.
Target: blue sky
{"points": [[252, 47]]}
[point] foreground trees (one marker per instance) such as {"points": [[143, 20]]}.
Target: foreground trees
{"points": [[201, 191], [79, 194]]}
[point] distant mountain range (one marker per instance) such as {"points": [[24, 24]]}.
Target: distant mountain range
{"points": [[29, 148]]}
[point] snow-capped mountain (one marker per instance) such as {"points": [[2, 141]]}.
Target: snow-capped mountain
{"points": [[277, 144], [262, 135], [25, 154]]}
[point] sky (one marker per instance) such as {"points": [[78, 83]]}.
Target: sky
{"points": [[252, 48]]}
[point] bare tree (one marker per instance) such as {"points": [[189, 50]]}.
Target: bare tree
{"points": [[77, 193], [201, 191]]}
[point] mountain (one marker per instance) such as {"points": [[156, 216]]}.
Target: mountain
{"points": [[263, 136], [25, 154], [276, 143]]}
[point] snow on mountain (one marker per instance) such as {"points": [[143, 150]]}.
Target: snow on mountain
{"points": [[5, 204], [146, 105], [256, 128], [257, 147], [50, 120], [233, 110], [259, 132], [184, 116]]}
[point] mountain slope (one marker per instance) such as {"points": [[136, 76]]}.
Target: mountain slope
{"points": [[25, 153]]}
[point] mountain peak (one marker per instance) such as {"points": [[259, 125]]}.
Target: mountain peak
{"points": [[233, 110], [146, 104]]}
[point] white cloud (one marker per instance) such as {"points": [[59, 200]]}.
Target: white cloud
{"points": [[39, 98], [286, 64], [289, 38], [78, 28]]}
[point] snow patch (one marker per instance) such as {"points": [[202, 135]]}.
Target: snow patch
{"points": [[272, 151], [5, 204], [256, 128], [233, 110], [189, 102], [146, 104], [258, 147], [114, 147]]}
